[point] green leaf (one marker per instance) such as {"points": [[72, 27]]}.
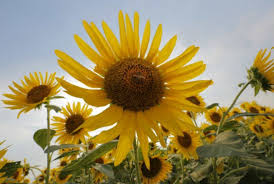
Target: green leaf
{"points": [[61, 146], [66, 154], [248, 114], [54, 97], [230, 125], [259, 164], [201, 172], [40, 137], [87, 160], [241, 84], [105, 169], [53, 107], [10, 168], [226, 144], [233, 179], [212, 105], [211, 127]]}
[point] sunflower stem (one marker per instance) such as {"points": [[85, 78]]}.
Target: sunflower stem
{"points": [[231, 106], [48, 144], [135, 146], [183, 167]]}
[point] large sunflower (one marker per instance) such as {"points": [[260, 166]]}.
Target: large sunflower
{"points": [[159, 170], [142, 88], [75, 115], [262, 71], [187, 144], [33, 91]]}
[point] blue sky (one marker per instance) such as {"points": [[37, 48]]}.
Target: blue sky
{"points": [[229, 33]]}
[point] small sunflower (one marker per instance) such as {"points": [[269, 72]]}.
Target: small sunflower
{"points": [[159, 170], [258, 128], [32, 92], [214, 115], [140, 87], [235, 111], [75, 115], [197, 100], [62, 178], [98, 177], [252, 107], [208, 134], [269, 124], [187, 144], [262, 72]]}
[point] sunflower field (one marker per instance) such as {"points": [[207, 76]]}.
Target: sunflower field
{"points": [[156, 126]]}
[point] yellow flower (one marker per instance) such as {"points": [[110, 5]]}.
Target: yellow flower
{"points": [[187, 144], [197, 100], [33, 91], [62, 178], [141, 88], [258, 128], [252, 107], [214, 115], [75, 115], [208, 134], [159, 170], [235, 111], [262, 72]]}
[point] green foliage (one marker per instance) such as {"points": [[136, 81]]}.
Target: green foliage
{"points": [[40, 137], [212, 105], [61, 146], [226, 144], [53, 107], [66, 154], [10, 168], [105, 169]]}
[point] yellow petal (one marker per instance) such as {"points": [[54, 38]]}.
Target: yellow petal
{"points": [[155, 43], [123, 36], [136, 33], [113, 41], [108, 135], [144, 145], [106, 118], [164, 54], [126, 137], [145, 40], [130, 37], [90, 53]]}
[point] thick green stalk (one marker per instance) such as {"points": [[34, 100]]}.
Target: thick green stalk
{"points": [[48, 144], [136, 161], [231, 106], [214, 160]]}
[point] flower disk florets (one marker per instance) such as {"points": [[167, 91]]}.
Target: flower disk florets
{"points": [[134, 84]]}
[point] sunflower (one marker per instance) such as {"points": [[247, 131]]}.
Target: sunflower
{"points": [[40, 179], [62, 178], [32, 92], [159, 170], [75, 115], [2, 162], [258, 128], [262, 72], [252, 107], [187, 144], [208, 134], [214, 115], [235, 111], [269, 124], [141, 88], [197, 100]]}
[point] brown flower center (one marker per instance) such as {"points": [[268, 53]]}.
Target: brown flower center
{"points": [[73, 122], [258, 129], [185, 140], [155, 168], [253, 110], [91, 146], [63, 163], [194, 100], [216, 117], [134, 84], [164, 129], [41, 178], [99, 161], [38, 93]]}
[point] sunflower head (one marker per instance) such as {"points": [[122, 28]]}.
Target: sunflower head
{"points": [[187, 143], [74, 116], [261, 73], [62, 178], [32, 92], [139, 83], [159, 170], [258, 128], [214, 115]]}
